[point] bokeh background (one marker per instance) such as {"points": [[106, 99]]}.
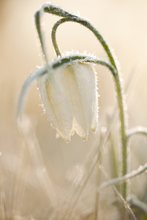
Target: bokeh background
{"points": [[122, 23]]}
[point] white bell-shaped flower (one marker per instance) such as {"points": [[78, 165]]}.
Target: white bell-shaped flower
{"points": [[70, 99]]}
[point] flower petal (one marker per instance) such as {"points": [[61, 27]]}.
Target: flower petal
{"points": [[87, 83], [56, 102], [70, 98]]}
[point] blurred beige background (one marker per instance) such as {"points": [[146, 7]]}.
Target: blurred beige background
{"points": [[123, 23]]}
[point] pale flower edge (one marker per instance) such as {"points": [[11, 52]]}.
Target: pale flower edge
{"points": [[69, 95]]}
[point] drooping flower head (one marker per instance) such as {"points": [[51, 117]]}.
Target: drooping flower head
{"points": [[68, 85], [70, 99], [69, 96]]}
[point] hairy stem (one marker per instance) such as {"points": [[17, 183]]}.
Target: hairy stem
{"points": [[123, 128], [66, 60], [141, 170], [137, 131], [119, 92], [48, 8]]}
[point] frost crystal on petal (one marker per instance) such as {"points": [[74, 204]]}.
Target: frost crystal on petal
{"points": [[70, 98]]}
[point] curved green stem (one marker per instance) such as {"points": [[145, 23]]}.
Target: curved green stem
{"points": [[141, 170], [137, 131], [123, 129], [119, 92], [40, 32], [48, 8], [66, 60]]}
